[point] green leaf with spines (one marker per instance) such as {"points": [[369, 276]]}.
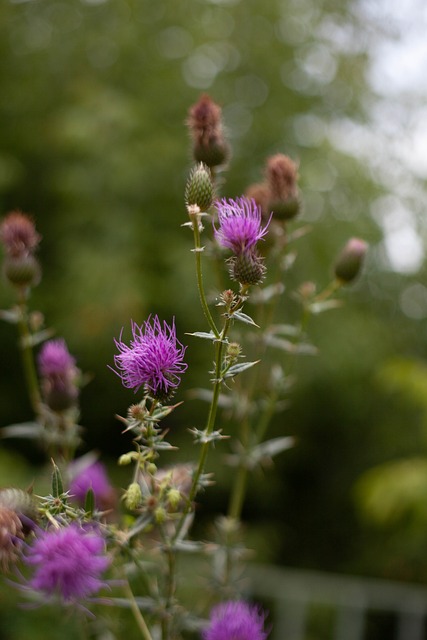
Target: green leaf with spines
{"points": [[57, 484]]}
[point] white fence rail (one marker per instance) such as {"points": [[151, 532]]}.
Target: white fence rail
{"points": [[350, 600]]}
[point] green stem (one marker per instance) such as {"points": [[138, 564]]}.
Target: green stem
{"points": [[209, 429], [170, 592], [139, 618], [28, 358], [198, 251]]}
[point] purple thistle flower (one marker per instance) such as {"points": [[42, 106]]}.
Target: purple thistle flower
{"points": [[58, 369], [68, 562], [239, 224], [236, 621], [55, 360], [92, 475], [154, 358]]}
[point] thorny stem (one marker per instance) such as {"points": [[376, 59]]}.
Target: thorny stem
{"points": [[198, 249], [209, 428]]}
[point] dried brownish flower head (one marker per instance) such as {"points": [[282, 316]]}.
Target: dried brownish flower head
{"points": [[18, 234], [205, 125], [10, 534]]}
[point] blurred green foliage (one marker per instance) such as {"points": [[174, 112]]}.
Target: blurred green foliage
{"points": [[93, 102]]}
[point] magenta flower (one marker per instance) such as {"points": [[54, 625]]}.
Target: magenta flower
{"points": [[59, 374], [90, 476], [68, 562], [55, 359], [239, 224], [236, 621], [154, 358]]}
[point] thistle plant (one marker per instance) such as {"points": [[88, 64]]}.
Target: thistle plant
{"points": [[77, 545]]}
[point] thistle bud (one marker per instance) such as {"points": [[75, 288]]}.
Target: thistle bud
{"points": [[233, 350], [160, 515], [22, 270], [174, 498], [18, 234], [205, 124], [282, 177], [199, 188], [133, 496], [350, 260], [247, 268]]}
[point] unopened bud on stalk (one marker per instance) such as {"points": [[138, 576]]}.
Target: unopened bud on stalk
{"points": [[282, 177], [233, 350], [174, 498], [133, 496], [350, 260], [22, 271], [205, 125], [199, 188], [18, 234], [247, 268]]}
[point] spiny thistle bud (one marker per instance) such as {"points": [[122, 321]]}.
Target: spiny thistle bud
{"points": [[174, 498], [18, 234], [22, 270], [282, 177], [247, 268], [233, 350], [205, 125], [133, 496], [10, 533], [160, 515], [199, 188], [350, 260], [227, 298]]}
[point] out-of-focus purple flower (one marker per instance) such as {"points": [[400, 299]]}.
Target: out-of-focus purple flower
{"points": [[236, 620], [18, 234], [154, 358], [68, 562], [239, 224], [91, 476], [59, 374], [55, 359]]}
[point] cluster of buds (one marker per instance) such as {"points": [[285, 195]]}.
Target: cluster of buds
{"points": [[160, 492], [59, 376], [279, 192], [206, 130], [20, 240]]}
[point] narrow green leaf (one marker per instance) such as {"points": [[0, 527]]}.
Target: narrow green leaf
{"points": [[90, 502], [203, 334], [57, 484], [10, 315], [243, 317], [238, 368], [32, 430], [272, 447]]}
